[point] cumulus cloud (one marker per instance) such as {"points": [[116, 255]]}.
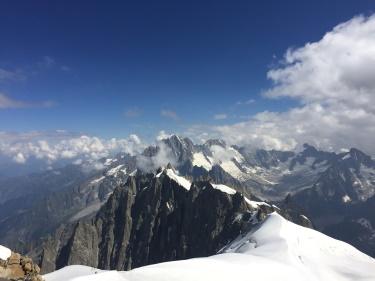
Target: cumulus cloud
{"points": [[221, 154], [162, 157], [170, 114], [61, 145], [7, 103], [333, 80], [162, 135], [220, 116]]}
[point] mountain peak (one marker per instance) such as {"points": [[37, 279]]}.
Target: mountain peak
{"points": [[169, 166], [309, 148], [218, 142]]}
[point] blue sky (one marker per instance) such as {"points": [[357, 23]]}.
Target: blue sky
{"points": [[110, 69]]}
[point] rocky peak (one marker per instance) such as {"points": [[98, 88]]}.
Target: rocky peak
{"points": [[212, 142], [181, 149], [18, 267], [169, 166], [360, 157], [309, 148], [154, 219]]}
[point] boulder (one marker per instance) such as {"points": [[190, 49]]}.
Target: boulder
{"points": [[19, 267]]}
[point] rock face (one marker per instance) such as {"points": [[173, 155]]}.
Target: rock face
{"points": [[154, 219], [341, 201], [19, 267]]}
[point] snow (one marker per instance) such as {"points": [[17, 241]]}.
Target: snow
{"points": [[4, 253], [114, 170], [200, 160], [109, 161], [72, 272], [346, 199], [224, 188], [97, 180], [231, 168], [231, 191], [346, 156], [132, 174], [175, 177], [180, 180], [255, 204], [276, 250]]}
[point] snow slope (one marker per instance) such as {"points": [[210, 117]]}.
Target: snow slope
{"points": [[276, 250], [174, 176], [4, 253]]}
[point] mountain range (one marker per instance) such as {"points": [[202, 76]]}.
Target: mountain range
{"points": [[50, 214]]}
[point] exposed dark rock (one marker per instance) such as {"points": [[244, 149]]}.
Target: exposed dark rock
{"points": [[154, 219]]}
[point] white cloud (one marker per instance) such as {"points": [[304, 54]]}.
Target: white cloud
{"points": [[220, 116], [61, 145], [7, 103], [161, 159], [170, 114], [19, 158], [333, 79], [220, 154], [162, 135]]}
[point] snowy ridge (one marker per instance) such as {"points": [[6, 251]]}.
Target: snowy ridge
{"points": [[294, 253], [224, 188], [175, 177], [231, 191], [4, 253], [115, 170]]}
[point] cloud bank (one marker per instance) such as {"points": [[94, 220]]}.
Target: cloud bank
{"points": [[333, 81], [61, 145]]}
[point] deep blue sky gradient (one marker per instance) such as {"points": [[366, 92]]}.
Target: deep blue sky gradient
{"points": [[197, 58]]}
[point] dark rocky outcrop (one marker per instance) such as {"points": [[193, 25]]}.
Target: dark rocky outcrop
{"points": [[150, 220]]}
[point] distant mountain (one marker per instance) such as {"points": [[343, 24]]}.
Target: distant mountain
{"points": [[341, 201], [274, 249]]}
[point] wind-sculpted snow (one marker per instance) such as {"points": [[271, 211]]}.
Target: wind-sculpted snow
{"points": [[277, 250]]}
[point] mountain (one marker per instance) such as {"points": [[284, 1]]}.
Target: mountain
{"points": [[34, 206], [341, 201], [275, 249], [156, 218], [335, 190]]}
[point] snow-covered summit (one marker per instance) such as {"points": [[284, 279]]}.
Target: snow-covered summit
{"points": [[276, 250]]}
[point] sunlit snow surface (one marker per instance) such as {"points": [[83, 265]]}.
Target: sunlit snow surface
{"points": [[174, 176], [278, 250], [4, 253]]}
